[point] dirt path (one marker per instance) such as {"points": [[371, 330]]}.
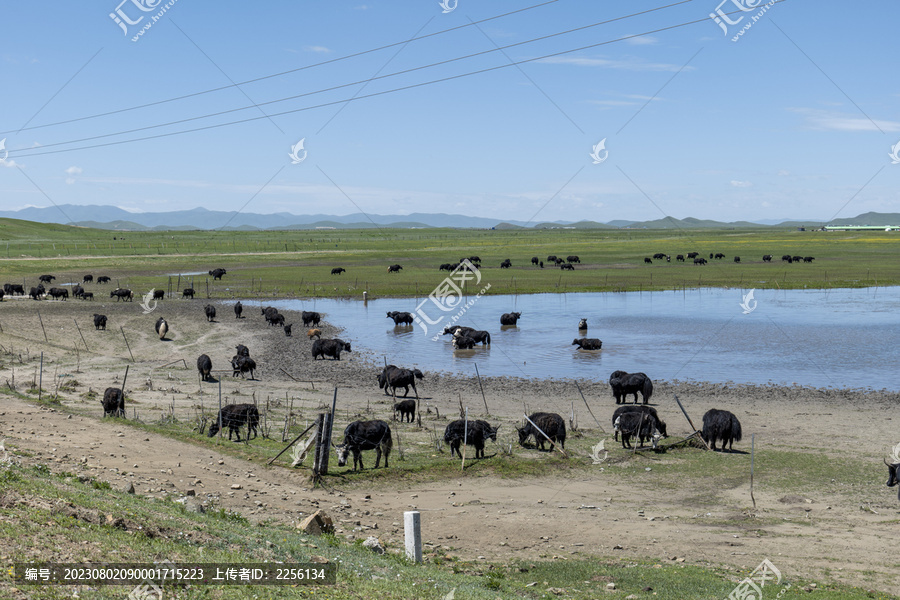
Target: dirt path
{"points": [[835, 532]]}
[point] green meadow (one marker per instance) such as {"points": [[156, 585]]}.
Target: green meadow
{"points": [[299, 263]]}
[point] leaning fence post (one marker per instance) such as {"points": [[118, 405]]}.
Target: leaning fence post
{"points": [[41, 376], [413, 532]]}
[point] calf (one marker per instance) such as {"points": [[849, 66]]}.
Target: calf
{"points": [[406, 408], [588, 343], [723, 426], [463, 342], [737, 259], [314, 333], [648, 261], [550, 423], [400, 318], [217, 273], [338, 270], [162, 326], [661, 426], [506, 264], [113, 402], [474, 433], [204, 365], [332, 348], [187, 293], [159, 294], [567, 267], [287, 329], [623, 383], [235, 416], [87, 296], [210, 311], [238, 309], [642, 426], [679, 257], [365, 435], [510, 318], [394, 377], [241, 365], [310, 318]]}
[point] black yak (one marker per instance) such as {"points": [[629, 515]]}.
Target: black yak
{"points": [[287, 329], [394, 377], [567, 267], [642, 426], [235, 416], [648, 261], [113, 402], [162, 326], [84, 296], [187, 293], [454, 329], [551, 258], [241, 365], [406, 408], [204, 365], [46, 278], [573, 259], [588, 343], [463, 342], [661, 426], [400, 318], [338, 270], [332, 348], [550, 423], [506, 264], [582, 325], [14, 288], [623, 383], [394, 269], [104, 279], [56, 292], [473, 432], [767, 258], [277, 320], [535, 260], [217, 273], [159, 294], [238, 309], [122, 294], [310, 318], [87, 279], [680, 258], [365, 435], [77, 291], [894, 468], [99, 321], [210, 311], [36, 292], [479, 336], [510, 318], [721, 425]]}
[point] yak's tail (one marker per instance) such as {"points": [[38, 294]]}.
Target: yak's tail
{"points": [[735, 429], [647, 390], [487, 338]]}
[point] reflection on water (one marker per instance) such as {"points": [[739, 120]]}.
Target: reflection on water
{"points": [[834, 338]]}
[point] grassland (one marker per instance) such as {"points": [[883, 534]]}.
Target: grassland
{"points": [[298, 263]]}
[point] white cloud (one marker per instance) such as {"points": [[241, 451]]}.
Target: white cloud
{"points": [[741, 184], [73, 171], [834, 121], [319, 49], [628, 64]]}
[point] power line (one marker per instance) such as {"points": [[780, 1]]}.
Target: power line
{"points": [[355, 98], [282, 73], [363, 81]]}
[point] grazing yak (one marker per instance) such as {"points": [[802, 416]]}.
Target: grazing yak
{"points": [[88, 279], [394, 269], [159, 294], [310, 318], [332, 348], [217, 273], [567, 267], [394, 377], [56, 292], [104, 279], [506, 264], [797, 259], [287, 329], [588, 343], [680, 258], [551, 258], [786, 257], [400, 318], [113, 402], [268, 311], [693, 254], [808, 259], [84, 296], [550, 423], [338, 270], [894, 468], [204, 365], [623, 383], [463, 342], [210, 311], [721, 425], [699, 261], [14, 289], [659, 255], [187, 293], [36, 292], [122, 294], [510, 318], [582, 325], [314, 333], [648, 261], [573, 259], [535, 260], [277, 320], [46, 278], [642, 426], [406, 408], [649, 410], [99, 321], [241, 365], [737, 259], [162, 326], [242, 350], [238, 309], [767, 258], [234, 417], [365, 435], [474, 433]]}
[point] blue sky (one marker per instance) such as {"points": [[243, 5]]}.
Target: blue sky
{"points": [[795, 119]]}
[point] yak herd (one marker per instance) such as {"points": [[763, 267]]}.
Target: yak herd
{"points": [[699, 260]]}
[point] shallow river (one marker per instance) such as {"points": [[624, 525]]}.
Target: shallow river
{"points": [[835, 338]]}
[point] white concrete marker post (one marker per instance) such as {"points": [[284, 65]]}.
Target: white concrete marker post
{"points": [[413, 530]]}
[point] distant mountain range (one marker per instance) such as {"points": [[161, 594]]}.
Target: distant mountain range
{"points": [[114, 218]]}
